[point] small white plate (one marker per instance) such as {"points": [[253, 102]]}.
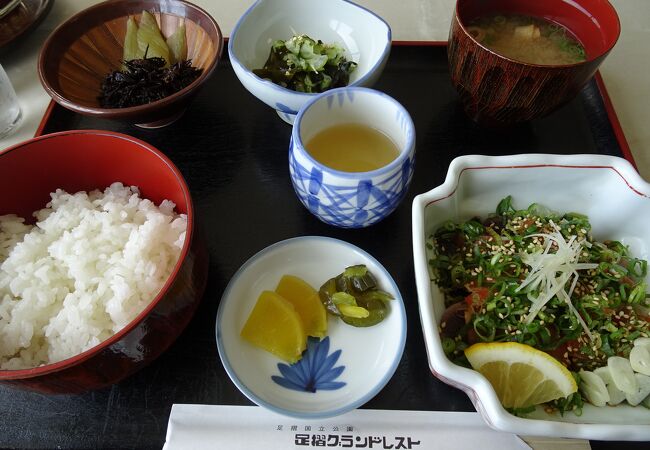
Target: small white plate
{"points": [[367, 357]]}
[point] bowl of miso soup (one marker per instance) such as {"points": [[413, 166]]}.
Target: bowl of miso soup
{"points": [[513, 61]]}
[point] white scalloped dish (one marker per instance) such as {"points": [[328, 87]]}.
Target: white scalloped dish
{"points": [[336, 374], [616, 200]]}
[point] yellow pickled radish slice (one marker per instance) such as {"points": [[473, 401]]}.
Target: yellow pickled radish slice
{"points": [[307, 303], [150, 39], [275, 326], [521, 375]]}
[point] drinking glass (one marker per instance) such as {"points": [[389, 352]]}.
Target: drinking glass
{"points": [[10, 112]]}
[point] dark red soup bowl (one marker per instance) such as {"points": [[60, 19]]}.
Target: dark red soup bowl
{"points": [[497, 91], [83, 161]]}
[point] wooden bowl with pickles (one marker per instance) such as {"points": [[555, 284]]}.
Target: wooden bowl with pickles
{"points": [[136, 61]]}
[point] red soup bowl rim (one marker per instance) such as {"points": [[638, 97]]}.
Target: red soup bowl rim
{"points": [[131, 111], [189, 234], [523, 63]]}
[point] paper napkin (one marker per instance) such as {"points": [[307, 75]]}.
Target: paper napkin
{"points": [[198, 427]]}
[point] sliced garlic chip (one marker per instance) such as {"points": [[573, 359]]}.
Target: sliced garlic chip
{"points": [[640, 359], [642, 341], [643, 390], [603, 372], [616, 396], [593, 387], [622, 374]]}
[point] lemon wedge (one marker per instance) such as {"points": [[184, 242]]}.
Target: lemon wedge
{"points": [[275, 326], [521, 375]]}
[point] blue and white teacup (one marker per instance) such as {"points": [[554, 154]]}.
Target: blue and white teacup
{"points": [[352, 199]]}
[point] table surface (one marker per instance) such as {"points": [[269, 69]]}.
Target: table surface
{"points": [[224, 152], [234, 151]]}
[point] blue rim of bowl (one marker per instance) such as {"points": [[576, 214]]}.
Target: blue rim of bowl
{"points": [[272, 85], [310, 415], [297, 140]]}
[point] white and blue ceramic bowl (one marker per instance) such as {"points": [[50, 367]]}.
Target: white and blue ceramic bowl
{"points": [[335, 375], [365, 36], [352, 199], [605, 188]]}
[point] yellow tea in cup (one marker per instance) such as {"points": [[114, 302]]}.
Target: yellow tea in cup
{"points": [[352, 148]]}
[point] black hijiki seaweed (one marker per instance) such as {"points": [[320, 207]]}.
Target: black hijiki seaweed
{"points": [[144, 81]]}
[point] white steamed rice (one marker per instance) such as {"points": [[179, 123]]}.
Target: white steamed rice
{"points": [[89, 266]]}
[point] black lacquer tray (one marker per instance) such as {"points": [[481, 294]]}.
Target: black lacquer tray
{"points": [[233, 152]]}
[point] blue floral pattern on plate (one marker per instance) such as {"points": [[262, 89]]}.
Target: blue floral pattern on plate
{"points": [[315, 370]]}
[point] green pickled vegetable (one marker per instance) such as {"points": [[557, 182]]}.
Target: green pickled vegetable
{"points": [[377, 311], [177, 44], [131, 48], [355, 271], [326, 294], [347, 305], [353, 312], [343, 298], [360, 277], [303, 64], [375, 294], [150, 40], [354, 297]]}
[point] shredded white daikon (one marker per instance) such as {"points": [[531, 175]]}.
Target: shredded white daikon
{"points": [[550, 272]]}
